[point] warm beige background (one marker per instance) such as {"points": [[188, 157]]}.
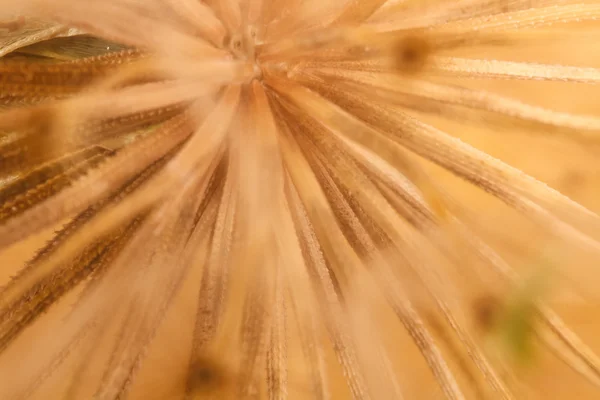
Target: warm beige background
{"points": [[564, 165]]}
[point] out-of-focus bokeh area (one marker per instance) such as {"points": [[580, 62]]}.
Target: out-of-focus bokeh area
{"points": [[568, 166]]}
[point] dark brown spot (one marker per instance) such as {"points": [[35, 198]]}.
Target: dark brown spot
{"points": [[207, 375], [411, 53], [486, 311]]}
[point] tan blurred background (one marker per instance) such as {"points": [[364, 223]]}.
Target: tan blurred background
{"points": [[571, 168]]}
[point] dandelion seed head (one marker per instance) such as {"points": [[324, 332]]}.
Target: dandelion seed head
{"points": [[270, 175]]}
